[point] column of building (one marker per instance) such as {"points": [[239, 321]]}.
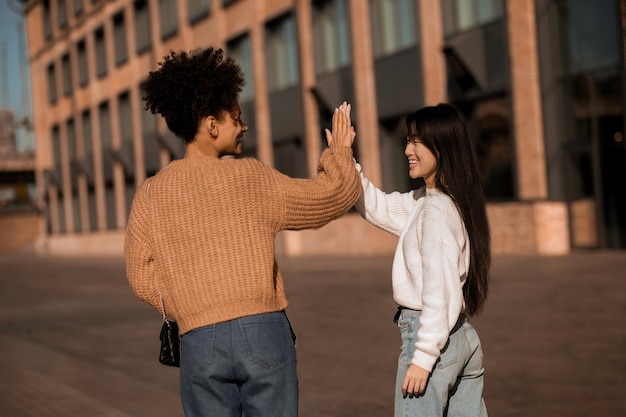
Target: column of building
{"points": [[550, 218]]}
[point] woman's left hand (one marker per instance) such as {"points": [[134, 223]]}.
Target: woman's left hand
{"points": [[415, 381]]}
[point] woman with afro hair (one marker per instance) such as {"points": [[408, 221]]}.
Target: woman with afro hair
{"points": [[200, 239]]}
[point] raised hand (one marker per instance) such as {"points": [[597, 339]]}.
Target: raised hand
{"points": [[341, 117]]}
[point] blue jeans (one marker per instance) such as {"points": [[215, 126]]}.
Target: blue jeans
{"points": [[242, 367], [455, 386]]}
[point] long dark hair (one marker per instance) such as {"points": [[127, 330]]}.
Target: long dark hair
{"points": [[445, 131]]}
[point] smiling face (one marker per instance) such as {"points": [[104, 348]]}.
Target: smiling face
{"points": [[422, 162], [231, 129]]}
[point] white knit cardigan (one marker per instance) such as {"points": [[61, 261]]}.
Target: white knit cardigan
{"points": [[431, 261]]}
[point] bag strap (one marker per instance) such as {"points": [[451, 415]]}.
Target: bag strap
{"points": [[157, 281]]}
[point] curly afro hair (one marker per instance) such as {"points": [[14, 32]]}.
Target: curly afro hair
{"points": [[190, 86]]}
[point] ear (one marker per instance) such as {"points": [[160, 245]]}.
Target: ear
{"points": [[210, 124]]}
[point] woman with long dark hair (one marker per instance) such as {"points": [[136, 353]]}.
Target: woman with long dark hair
{"points": [[441, 266]]}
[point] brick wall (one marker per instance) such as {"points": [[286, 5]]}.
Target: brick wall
{"points": [[526, 98]]}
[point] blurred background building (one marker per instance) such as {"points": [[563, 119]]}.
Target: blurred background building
{"points": [[18, 213], [542, 82]]}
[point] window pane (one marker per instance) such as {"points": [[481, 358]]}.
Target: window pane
{"points": [[394, 25], [197, 9], [52, 84], [407, 23], [83, 73], [101, 57], [593, 35], [168, 14], [332, 35], [239, 49], [282, 53], [87, 144], [71, 139], [56, 150], [67, 74], [142, 26], [62, 13], [119, 37], [105, 140], [47, 19], [78, 6]]}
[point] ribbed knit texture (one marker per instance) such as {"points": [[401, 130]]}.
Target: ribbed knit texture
{"points": [[204, 230], [431, 260]]}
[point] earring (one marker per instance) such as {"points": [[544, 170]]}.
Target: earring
{"points": [[213, 133]]}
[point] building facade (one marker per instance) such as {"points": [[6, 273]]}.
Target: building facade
{"points": [[541, 81]]}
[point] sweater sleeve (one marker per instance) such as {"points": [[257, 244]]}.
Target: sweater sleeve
{"points": [[388, 212], [442, 295], [312, 203], [138, 251]]}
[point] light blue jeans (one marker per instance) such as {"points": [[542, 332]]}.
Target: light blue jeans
{"points": [[455, 386], [242, 367]]}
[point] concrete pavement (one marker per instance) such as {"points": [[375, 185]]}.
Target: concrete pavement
{"points": [[74, 341]]}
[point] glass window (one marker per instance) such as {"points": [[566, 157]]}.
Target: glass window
{"points": [[168, 15], [101, 53], [105, 140], [142, 26], [394, 25], [52, 84], [119, 39], [591, 48], [461, 15], [88, 152], [71, 148], [239, 49], [332, 35], [107, 163], [593, 107], [62, 13], [56, 150], [66, 68], [282, 53], [197, 9], [47, 19], [78, 7], [83, 72], [126, 124], [87, 144], [126, 134]]}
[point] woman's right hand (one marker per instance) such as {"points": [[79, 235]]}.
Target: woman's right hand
{"points": [[343, 133]]}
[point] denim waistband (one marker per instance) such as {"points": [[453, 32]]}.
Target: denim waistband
{"points": [[459, 322]]}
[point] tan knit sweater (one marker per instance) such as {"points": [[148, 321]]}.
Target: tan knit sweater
{"points": [[203, 230]]}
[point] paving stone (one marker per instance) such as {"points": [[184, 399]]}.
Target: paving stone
{"points": [[76, 342]]}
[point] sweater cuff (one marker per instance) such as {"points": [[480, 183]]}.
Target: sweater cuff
{"points": [[342, 151], [424, 360]]}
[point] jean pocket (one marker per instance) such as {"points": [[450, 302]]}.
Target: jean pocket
{"points": [[449, 354], [268, 343], [197, 350]]}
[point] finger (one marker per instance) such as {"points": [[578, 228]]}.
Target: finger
{"points": [[405, 386], [329, 137], [335, 120], [422, 387], [340, 118]]}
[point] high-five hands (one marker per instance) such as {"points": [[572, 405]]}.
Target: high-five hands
{"points": [[343, 133]]}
